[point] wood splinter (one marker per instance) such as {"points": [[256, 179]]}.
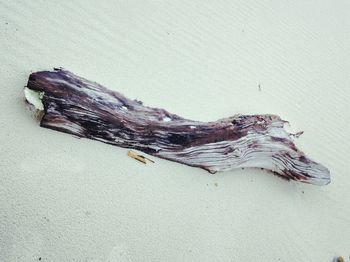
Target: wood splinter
{"points": [[138, 157], [83, 108]]}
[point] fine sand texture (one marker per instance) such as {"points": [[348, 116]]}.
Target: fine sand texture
{"points": [[69, 199]]}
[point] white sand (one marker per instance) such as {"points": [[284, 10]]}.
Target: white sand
{"points": [[68, 199]]}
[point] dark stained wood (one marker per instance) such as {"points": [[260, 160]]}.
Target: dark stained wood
{"points": [[86, 109]]}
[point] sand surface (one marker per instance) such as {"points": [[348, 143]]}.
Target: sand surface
{"points": [[69, 199]]}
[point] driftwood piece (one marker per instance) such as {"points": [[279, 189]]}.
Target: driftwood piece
{"points": [[77, 106]]}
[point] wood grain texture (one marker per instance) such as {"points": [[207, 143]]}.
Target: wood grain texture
{"points": [[202, 60], [86, 109]]}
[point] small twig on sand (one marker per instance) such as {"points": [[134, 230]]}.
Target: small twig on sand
{"points": [[138, 157]]}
